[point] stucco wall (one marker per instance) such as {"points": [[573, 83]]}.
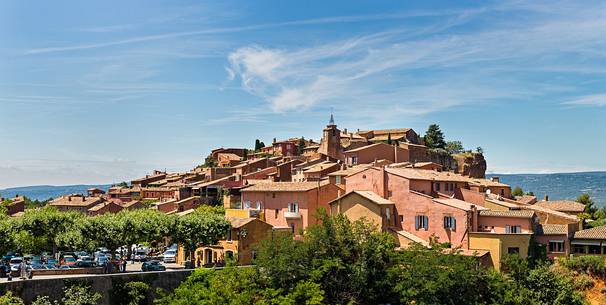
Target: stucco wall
{"points": [[28, 290], [498, 244], [499, 223]]}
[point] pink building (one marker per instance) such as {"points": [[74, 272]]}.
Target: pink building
{"points": [[289, 204]]}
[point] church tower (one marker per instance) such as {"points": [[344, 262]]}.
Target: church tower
{"points": [[331, 141]]}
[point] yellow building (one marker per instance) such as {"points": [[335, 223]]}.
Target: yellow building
{"points": [[365, 204], [500, 245]]}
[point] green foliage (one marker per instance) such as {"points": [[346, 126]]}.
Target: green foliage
{"points": [[80, 295], [590, 209], [517, 191], [129, 293], [210, 162], [10, 299], [479, 150], [258, 145], [389, 138], [434, 137], [454, 147], [592, 265], [583, 282], [7, 237], [122, 184], [300, 146], [43, 300], [199, 228]]}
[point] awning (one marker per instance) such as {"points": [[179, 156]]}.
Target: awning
{"points": [[586, 242]]}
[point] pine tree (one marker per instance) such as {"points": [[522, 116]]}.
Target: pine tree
{"points": [[434, 137]]}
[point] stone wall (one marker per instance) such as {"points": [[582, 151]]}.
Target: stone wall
{"points": [[105, 284]]}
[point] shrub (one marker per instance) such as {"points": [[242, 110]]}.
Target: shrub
{"points": [[10, 299], [593, 265], [583, 282]]}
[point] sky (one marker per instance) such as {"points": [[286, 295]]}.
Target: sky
{"points": [[105, 91]]}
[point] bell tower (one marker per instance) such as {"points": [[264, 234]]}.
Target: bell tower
{"points": [[331, 141]]}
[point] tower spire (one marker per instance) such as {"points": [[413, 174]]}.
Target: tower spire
{"points": [[332, 120]]}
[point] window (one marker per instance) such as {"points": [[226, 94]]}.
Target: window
{"points": [[277, 212], [258, 205], [513, 250], [337, 179], [354, 160], [388, 215], [450, 223], [389, 194], [438, 186], [421, 222], [293, 207], [556, 246], [247, 204], [401, 218], [513, 229], [292, 227]]}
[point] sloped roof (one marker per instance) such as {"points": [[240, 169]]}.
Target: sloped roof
{"points": [[593, 233], [563, 205], [552, 229], [456, 203], [239, 222], [426, 174], [75, 200], [413, 237], [351, 170], [284, 186], [510, 213]]}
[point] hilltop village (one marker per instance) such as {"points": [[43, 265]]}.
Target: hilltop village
{"points": [[388, 177]]}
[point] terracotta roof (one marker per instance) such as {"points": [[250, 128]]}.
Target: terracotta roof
{"points": [[425, 174], [413, 237], [239, 222], [350, 171], [486, 182], [316, 168], [284, 186], [593, 233], [511, 213], [101, 205], [552, 229], [229, 156], [526, 199], [563, 205], [456, 203], [75, 200], [385, 131], [506, 204], [537, 208], [372, 196]]}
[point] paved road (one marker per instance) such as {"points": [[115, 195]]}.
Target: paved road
{"points": [[136, 267]]}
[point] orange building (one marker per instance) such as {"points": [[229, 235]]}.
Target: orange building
{"points": [[289, 204]]}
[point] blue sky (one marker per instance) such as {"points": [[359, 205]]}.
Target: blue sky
{"points": [[103, 92]]}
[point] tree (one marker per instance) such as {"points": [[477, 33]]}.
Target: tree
{"points": [[389, 138], [7, 234], [586, 200], [122, 184], [258, 145], [300, 146], [10, 299], [434, 137], [210, 162], [43, 228], [454, 147], [198, 228], [479, 150], [517, 191]]}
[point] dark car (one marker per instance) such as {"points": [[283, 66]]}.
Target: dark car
{"points": [[153, 266], [4, 270]]}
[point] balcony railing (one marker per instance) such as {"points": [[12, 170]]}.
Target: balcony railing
{"points": [[292, 215]]}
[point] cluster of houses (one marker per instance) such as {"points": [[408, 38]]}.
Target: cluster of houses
{"points": [[383, 176]]}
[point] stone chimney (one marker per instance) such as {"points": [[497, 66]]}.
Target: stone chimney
{"points": [[546, 198], [495, 179], [345, 130]]}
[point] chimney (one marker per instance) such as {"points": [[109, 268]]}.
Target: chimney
{"points": [[546, 198], [495, 179], [345, 130], [69, 198], [395, 154], [384, 178]]}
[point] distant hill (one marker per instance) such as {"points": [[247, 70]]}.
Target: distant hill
{"points": [[44, 192]]}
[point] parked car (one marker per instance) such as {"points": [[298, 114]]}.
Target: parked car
{"points": [[51, 261], [69, 260], [101, 259], [170, 256], [140, 255], [15, 262], [153, 266], [4, 270], [86, 262]]}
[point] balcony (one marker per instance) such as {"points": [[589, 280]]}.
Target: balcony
{"points": [[292, 215]]}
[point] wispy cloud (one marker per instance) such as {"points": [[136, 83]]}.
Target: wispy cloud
{"points": [[388, 69], [588, 100]]}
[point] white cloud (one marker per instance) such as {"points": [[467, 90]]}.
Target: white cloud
{"points": [[465, 66], [589, 100]]}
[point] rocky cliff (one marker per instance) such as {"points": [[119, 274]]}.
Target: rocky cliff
{"points": [[468, 164]]}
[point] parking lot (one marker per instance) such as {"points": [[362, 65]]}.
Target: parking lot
{"points": [[136, 267]]}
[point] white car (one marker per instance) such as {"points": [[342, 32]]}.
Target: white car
{"points": [[170, 256], [140, 255], [15, 263]]}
